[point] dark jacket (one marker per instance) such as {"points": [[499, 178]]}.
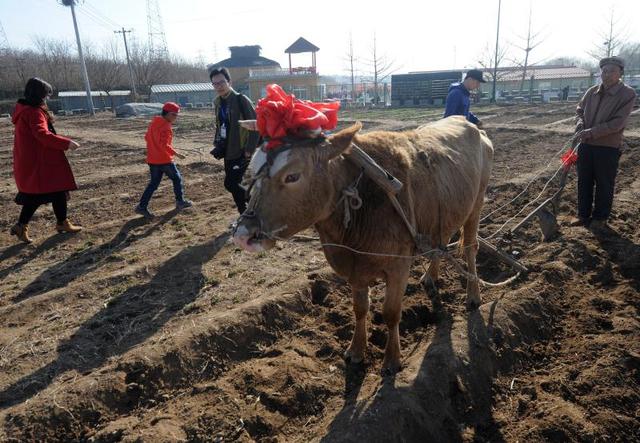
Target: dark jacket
{"points": [[458, 103], [39, 163], [605, 112], [239, 140]]}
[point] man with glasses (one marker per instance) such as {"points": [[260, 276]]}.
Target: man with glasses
{"points": [[231, 142], [601, 116]]}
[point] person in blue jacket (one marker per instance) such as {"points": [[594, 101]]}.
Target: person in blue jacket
{"points": [[458, 97]]}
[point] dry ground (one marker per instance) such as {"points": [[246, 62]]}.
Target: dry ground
{"points": [[163, 331]]}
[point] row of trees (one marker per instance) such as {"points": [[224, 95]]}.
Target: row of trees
{"points": [[610, 40], [377, 68], [57, 62]]}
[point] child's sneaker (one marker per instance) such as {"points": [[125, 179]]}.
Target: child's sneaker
{"points": [[184, 204], [144, 212]]}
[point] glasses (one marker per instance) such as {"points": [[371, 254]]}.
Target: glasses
{"points": [[220, 83]]}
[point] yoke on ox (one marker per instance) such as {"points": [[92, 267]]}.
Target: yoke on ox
{"points": [[301, 182]]}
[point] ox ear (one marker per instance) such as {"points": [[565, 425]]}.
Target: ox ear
{"points": [[250, 125], [340, 142]]}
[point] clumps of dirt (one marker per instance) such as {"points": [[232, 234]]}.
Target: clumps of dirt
{"points": [[174, 354]]}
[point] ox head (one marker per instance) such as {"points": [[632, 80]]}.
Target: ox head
{"points": [[291, 188]]}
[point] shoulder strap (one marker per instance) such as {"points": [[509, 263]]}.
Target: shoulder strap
{"points": [[239, 102]]}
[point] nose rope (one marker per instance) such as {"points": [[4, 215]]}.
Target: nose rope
{"points": [[350, 198]]}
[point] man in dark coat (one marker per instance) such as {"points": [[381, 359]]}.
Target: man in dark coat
{"points": [[231, 142], [458, 97]]}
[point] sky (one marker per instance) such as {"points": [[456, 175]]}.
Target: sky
{"points": [[415, 35]]}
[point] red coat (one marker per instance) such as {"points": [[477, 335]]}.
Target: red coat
{"points": [[159, 137], [39, 163]]}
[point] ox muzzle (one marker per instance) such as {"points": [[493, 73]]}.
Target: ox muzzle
{"points": [[248, 234]]}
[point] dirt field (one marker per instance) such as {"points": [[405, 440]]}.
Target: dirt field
{"points": [[164, 331]]}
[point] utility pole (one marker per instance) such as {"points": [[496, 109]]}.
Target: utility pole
{"points": [[87, 86], [495, 63], [126, 50]]}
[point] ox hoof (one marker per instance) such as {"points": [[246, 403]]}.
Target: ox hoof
{"points": [[473, 304], [390, 370], [431, 286], [353, 358]]}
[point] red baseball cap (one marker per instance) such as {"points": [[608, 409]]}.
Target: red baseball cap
{"points": [[171, 107]]}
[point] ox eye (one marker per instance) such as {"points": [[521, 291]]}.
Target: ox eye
{"points": [[292, 178]]}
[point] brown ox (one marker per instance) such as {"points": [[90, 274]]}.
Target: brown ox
{"points": [[445, 167]]}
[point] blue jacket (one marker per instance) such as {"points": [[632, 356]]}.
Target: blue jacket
{"points": [[458, 103]]}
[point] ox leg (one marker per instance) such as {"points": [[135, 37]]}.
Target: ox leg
{"points": [[429, 279], [355, 352], [391, 312], [434, 269], [470, 243]]}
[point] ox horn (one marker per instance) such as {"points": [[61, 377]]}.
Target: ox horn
{"points": [[248, 124], [340, 142]]}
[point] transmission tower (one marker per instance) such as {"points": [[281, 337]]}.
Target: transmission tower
{"points": [[157, 38], [4, 42]]}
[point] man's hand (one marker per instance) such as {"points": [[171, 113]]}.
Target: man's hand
{"points": [[584, 135], [180, 156], [73, 145]]}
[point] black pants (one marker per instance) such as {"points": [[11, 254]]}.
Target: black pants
{"points": [[597, 165], [31, 202], [234, 171]]}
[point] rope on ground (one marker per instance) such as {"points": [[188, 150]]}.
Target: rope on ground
{"points": [[568, 143], [431, 253], [470, 276], [544, 188]]}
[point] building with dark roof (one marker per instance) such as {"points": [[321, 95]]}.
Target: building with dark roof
{"points": [[251, 73], [243, 60]]}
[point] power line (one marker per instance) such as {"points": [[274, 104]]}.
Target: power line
{"points": [[95, 19], [100, 14]]}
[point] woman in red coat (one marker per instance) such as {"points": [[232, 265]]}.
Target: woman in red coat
{"points": [[40, 167]]}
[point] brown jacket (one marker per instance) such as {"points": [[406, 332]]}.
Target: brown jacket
{"points": [[605, 112]]}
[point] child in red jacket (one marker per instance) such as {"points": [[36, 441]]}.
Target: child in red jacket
{"points": [[160, 155]]}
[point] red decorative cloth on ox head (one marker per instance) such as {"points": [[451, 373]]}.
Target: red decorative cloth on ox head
{"points": [[279, 115]]}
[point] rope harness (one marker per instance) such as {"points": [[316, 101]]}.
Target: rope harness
{"points": [[351, 200]]}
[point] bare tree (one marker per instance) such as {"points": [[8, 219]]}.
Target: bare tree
{"points": [[105, 67], [351, 60], [570, 61], [532, 41], [58, 62], [612, 38], [381, 67], [631, 54], [487, 60]]}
